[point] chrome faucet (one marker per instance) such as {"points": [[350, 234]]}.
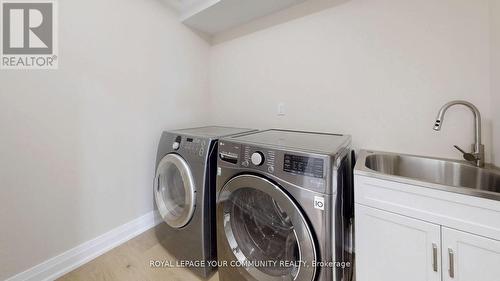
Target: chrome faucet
{"points": [[477, 154]]}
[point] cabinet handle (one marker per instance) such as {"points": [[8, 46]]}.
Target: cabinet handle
{"points": [[452, 263], [434, 257]]}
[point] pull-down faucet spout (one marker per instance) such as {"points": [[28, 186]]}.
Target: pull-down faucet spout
{"points": [[477, 156]]}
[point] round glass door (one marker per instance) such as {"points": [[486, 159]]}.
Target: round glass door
{"points": [[175, 191], [266, 230]]}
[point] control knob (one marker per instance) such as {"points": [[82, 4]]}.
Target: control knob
{"points": [[176, 145], [257, 158]]}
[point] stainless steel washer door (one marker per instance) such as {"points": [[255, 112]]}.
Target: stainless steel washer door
{"points": [[266, 231], [175, 191]]}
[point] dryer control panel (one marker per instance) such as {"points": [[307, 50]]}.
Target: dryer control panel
{"points": [[190, 145]]}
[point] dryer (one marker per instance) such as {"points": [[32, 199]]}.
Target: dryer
{"points": [[284, 206], [184, 192]]}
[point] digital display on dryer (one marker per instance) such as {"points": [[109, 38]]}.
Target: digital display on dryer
{"points": [[303, 165]]}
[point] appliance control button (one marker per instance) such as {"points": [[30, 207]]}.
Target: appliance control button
{"points": [[270, 169], [175, 145], [257, 158], [245, 163]]}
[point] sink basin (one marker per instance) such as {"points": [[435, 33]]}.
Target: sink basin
{"points": [[455, 176]]}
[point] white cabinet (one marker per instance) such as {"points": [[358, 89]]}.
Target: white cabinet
{"points": [[469, 257], [414, 233], [391, 247]]}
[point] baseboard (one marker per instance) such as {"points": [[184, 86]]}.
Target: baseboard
{"points": [[59, 265]]}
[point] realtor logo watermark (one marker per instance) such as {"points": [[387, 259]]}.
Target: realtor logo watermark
{"points": [[29, 34]]}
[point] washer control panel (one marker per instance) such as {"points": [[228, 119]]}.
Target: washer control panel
{"points": [[261, 159], [303, 169], [304, 165]]}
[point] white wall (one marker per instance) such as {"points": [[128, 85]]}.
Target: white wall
{"points": [[78, 145], [377, 69], [495, 76]]}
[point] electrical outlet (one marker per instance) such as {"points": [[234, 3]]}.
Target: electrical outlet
{"points": [[281, 109]]}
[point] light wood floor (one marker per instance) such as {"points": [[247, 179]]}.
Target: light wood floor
{"points": [[130, 261]]}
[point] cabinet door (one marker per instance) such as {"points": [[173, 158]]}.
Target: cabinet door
{"points": [[469, 257], [391, 247]]}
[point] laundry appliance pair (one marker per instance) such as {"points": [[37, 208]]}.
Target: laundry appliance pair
{"points": [[267, 205]]}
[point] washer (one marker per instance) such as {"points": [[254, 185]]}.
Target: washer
{"points": [[284, 206], [184, 191]]}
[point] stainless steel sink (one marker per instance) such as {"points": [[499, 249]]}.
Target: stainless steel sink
{"points": [[450, 175]]}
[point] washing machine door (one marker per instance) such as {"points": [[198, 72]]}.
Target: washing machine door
{"points": [[266, 231], [175, 191]]}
